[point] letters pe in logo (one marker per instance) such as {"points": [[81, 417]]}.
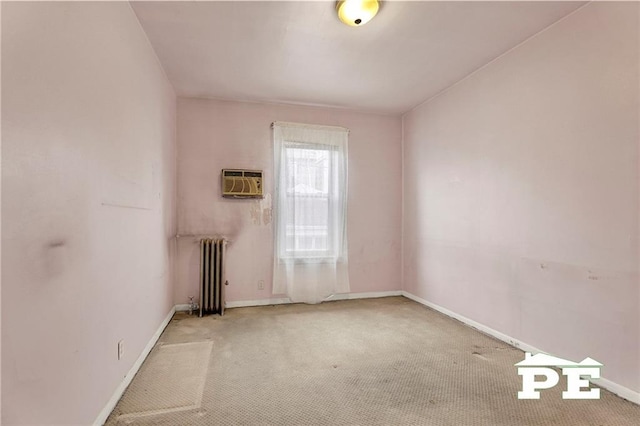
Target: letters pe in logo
{"points": [[540, 366]]}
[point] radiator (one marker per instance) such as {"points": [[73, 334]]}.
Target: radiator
{"points": [[212, 278]]}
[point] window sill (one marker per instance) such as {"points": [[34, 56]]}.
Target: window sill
{"points": [[310, 259]]}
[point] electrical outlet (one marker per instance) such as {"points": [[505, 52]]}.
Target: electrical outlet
{"points": [[261, 285], [120, 349]]}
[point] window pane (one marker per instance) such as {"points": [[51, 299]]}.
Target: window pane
{"points": [[307, 200]]}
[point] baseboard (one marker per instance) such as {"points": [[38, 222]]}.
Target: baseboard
{"points": [[286, 300], [487, 330], [117, 394], [621, 391], [182, 308], [613, 387], [257, 302]]}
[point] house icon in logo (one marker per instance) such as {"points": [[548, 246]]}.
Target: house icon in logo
{"points": [[542, 364]]}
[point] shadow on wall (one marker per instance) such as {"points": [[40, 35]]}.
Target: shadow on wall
{"points": [[235, 227]]}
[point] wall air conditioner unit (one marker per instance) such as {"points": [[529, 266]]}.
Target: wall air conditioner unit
{"points": [[241, 183]]}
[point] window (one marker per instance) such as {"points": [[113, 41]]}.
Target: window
{"points": [[310, 211], [309, 200]]}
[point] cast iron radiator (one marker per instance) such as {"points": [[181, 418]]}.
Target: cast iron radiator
{"points": [[212, 278]]}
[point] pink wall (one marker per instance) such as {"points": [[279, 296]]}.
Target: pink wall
{"points": [[213, 135], [88, 212], [521, 192]]}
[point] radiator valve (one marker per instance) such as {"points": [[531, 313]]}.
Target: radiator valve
{"points": [[192, 305]]}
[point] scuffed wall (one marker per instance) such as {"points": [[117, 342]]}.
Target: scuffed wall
{"points": [[521, 192], [213, 135], [88, 212]]}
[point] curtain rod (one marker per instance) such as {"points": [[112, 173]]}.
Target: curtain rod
{"points": [[310, 126]]}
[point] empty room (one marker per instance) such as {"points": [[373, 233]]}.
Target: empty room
{"points": [[320, 213]]}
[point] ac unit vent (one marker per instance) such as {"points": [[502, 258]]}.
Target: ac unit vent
{"points": [[241, 183]]}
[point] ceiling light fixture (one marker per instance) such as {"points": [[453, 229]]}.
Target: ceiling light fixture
{"points": [[356, 13]]}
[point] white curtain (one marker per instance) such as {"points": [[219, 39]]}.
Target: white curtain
{"points": [[310, 262]]}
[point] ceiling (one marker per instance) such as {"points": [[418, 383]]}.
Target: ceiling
{"points": [[300, 53]]}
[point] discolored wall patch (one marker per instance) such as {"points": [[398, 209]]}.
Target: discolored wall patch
{"points": [[260, 211]]}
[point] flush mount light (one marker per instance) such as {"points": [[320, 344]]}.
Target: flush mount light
{"points": [[357, 12]]}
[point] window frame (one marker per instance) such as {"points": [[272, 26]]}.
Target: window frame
{"points": [[332, 251]]}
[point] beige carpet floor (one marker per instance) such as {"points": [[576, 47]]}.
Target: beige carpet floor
{"points": [[386, 361]]}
